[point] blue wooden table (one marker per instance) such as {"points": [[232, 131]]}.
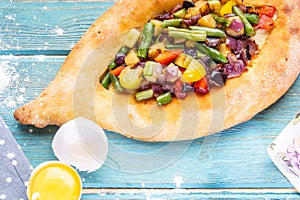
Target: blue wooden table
{"points": [[35, 38]]}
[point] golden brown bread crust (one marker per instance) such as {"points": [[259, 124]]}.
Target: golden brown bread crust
{"points": [[75, 91]]}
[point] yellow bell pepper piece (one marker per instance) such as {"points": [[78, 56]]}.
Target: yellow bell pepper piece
{"points": [[194, 72], [227, 8], [224, 49], [207, 21], [131, 59]]}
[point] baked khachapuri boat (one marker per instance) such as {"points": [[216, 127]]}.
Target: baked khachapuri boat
{"points": [[175, 70]]}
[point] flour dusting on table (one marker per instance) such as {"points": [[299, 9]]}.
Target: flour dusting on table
{"points": [[10, 88], [4, 77]]}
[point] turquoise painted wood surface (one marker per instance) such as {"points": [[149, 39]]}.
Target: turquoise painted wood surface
{"points": [[35, 37]]}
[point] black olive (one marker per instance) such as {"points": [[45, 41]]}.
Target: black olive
{"points": [[164, 16], [218, 78], [206, 61], [176, 8], [144, 87], [188, 4], [187, 88], [191, 51], [212, 41], [248, 55], [157, 89], [120, 59], [192, 20]]}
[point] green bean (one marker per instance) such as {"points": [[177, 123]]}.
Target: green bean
{"points": [[249, 30], [187, 34], [180, 13], [213, 53], [175, 46], [164, 99], [252, 18], [183, 30], [123, 50], [171, 22], [143, 95], [112, 65], [213, 32], [225, 22], [106, 80], [116, 83], [146, 40]]}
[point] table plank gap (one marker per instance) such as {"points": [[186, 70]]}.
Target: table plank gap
{"points": [[195, 190]]}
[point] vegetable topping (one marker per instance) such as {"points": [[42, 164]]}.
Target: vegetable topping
{"points": [[196, 46]]}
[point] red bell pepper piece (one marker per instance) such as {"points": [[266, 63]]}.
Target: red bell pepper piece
{"points": [[267, 10], [201, 86], [117, 71], [265, 22], [167, 56], [181, 69]]}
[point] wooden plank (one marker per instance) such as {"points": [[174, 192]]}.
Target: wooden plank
{"points": [[235, 158], [45, 27], [190, 194]]}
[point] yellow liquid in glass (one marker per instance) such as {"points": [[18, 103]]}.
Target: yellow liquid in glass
{"points": [[55, 181]]}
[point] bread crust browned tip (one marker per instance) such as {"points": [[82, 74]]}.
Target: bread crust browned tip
{"points": [[272, 73]]}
